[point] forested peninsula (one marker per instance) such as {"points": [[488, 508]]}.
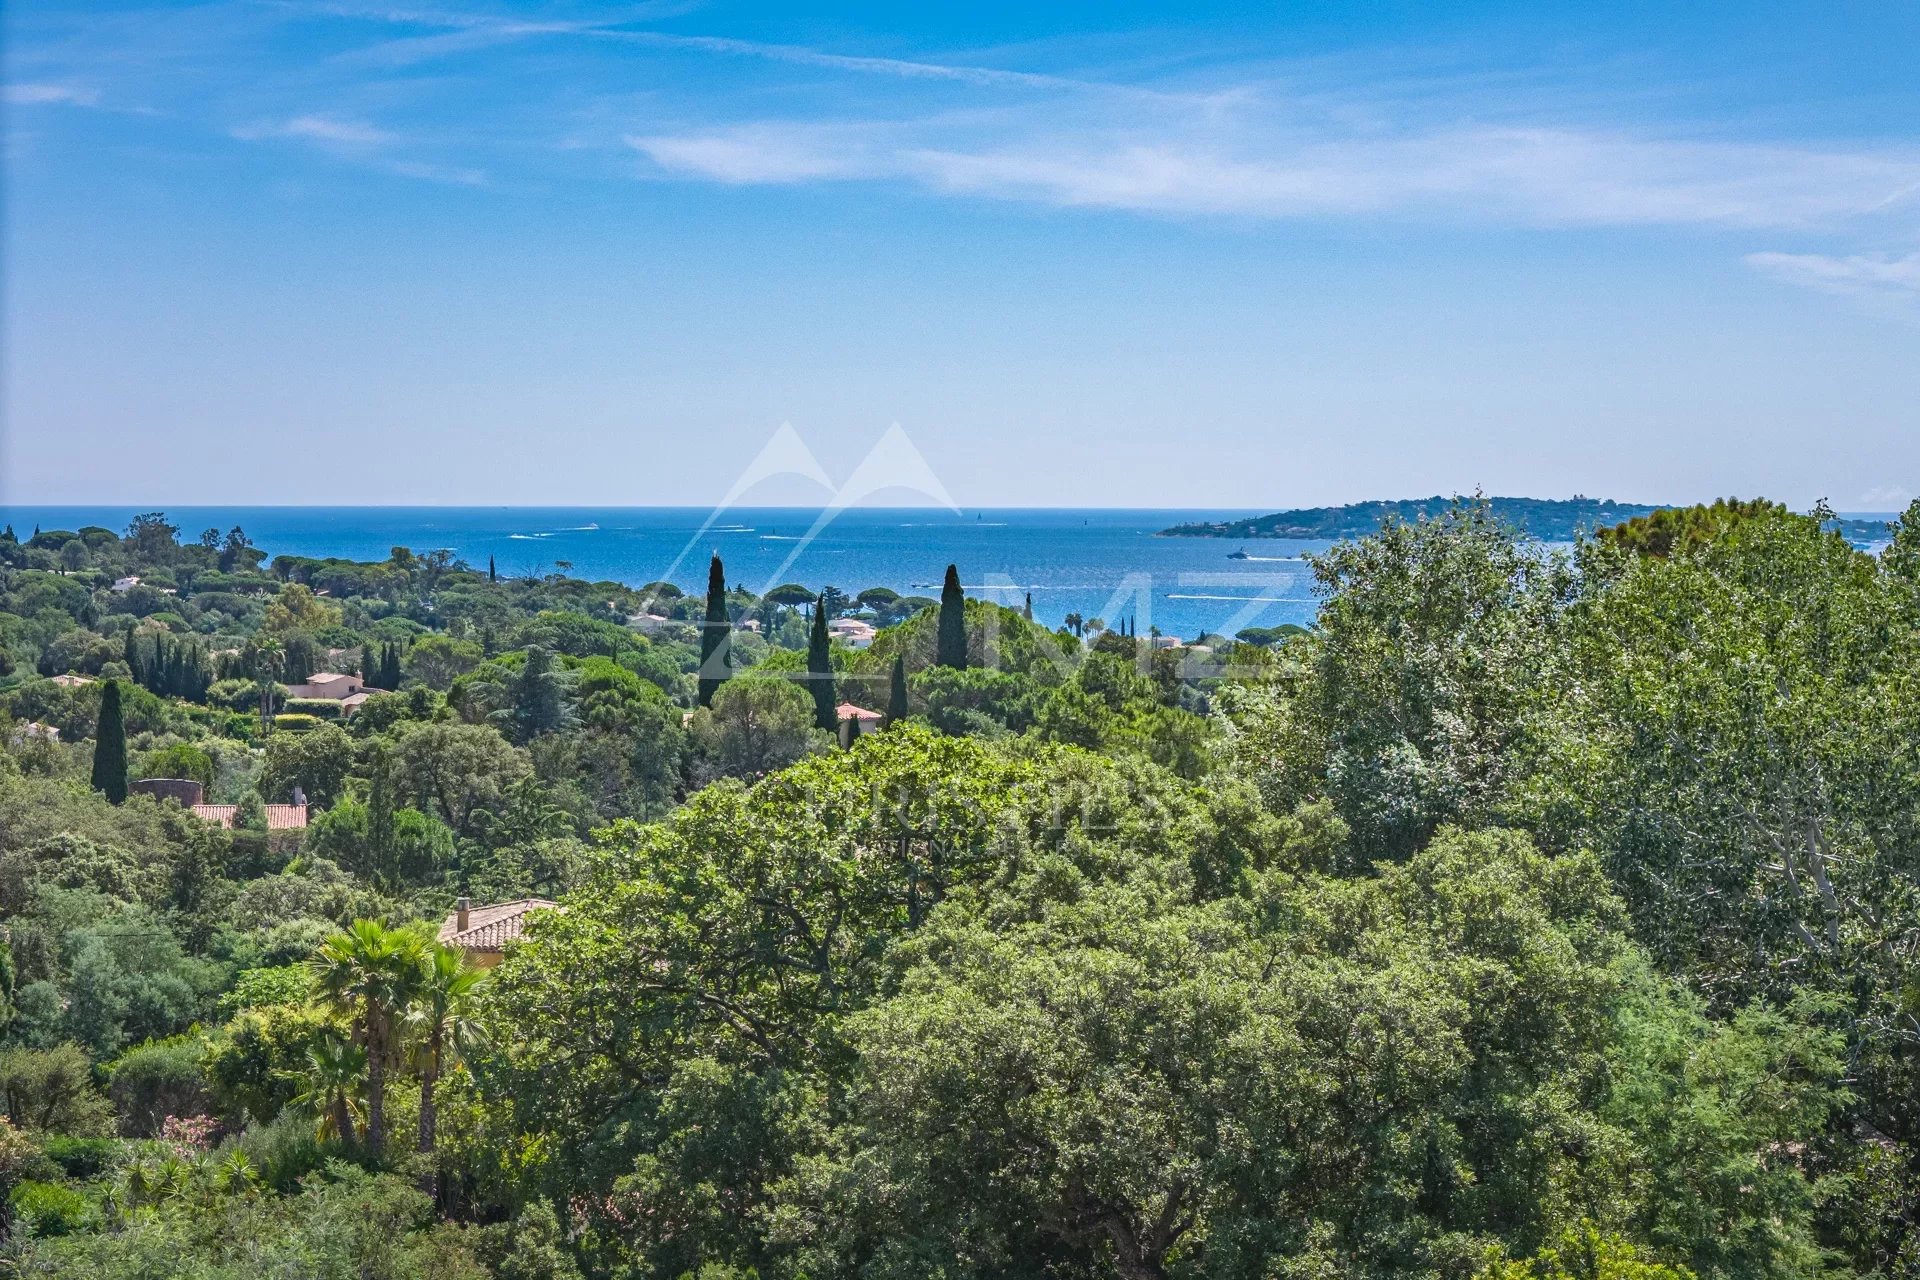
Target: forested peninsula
{"points": [[1545, 519]]}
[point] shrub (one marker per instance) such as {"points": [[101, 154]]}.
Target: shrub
{"points": [[281, 984], [284, 1151], [317, 708], [51, 1090], [49, 1209], [180, 760], [295, 723], [21, 1158], [235, 695], [254, 1063], [83, 1158], [151, 1082]]}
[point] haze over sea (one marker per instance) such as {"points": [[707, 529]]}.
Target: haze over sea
{"points": [[1098, 563]]}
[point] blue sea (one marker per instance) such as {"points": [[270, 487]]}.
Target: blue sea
{"points": [[1097, 563]]}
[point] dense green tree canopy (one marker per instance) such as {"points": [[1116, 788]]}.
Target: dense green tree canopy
{"points": [[1530, 915]]}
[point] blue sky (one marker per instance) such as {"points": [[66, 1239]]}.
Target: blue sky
{"points": [[1201, 255]]}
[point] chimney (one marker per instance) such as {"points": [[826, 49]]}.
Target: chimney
{"points": [[460, 916]]}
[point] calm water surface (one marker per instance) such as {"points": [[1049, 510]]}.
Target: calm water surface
{"points": [[1104, 563]]}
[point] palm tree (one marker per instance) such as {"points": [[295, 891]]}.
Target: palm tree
{"points": [[442, 1015], [336, 1074], [372, 975], [270, 656]]}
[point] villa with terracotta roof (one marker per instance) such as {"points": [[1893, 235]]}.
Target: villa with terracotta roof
{"points": [[484, 932], [856, 720], [348, 691], [280, 817], [868, 719]]}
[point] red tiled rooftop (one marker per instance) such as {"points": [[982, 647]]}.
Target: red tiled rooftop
{"points": [[491, 928], [280, 817]]}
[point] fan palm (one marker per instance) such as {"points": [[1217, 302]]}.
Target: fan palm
{"points": [[336, 1075], [442, 1016], [372, 975]]}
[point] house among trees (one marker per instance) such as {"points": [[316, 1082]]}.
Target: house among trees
{"points": [[280, 817], [190, 794], [852, 632], [349, 691], [868, 720], [854, 721], [484, 932]]}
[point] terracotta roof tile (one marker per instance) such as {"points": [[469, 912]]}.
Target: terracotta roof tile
{"points": [[491, 928], [280, 817]]}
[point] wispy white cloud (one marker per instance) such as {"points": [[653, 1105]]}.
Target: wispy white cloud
{"points": [[1381, 135], [1548, 176], [459, 175], [774, 153], [325, 130], [24, 95], [1858, 275], [454, 32], [361, 143]]}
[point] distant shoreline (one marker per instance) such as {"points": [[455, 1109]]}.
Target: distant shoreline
{"points": [[1547, 519], [1550, 519]]}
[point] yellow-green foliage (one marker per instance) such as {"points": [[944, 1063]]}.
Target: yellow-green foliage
{"points": [[1585, 1254], [1682, 528]]}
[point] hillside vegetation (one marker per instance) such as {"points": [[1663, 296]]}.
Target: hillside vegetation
{"points": [[1536, 915]]}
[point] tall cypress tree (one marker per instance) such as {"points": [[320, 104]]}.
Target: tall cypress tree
{"points": [[539, 696], [493, 574], [716, 635], [952, 650], [110, 746], [897, 709], [133, 656], [380, 817], [820, 670], [202, 674], [1026, 610]]}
